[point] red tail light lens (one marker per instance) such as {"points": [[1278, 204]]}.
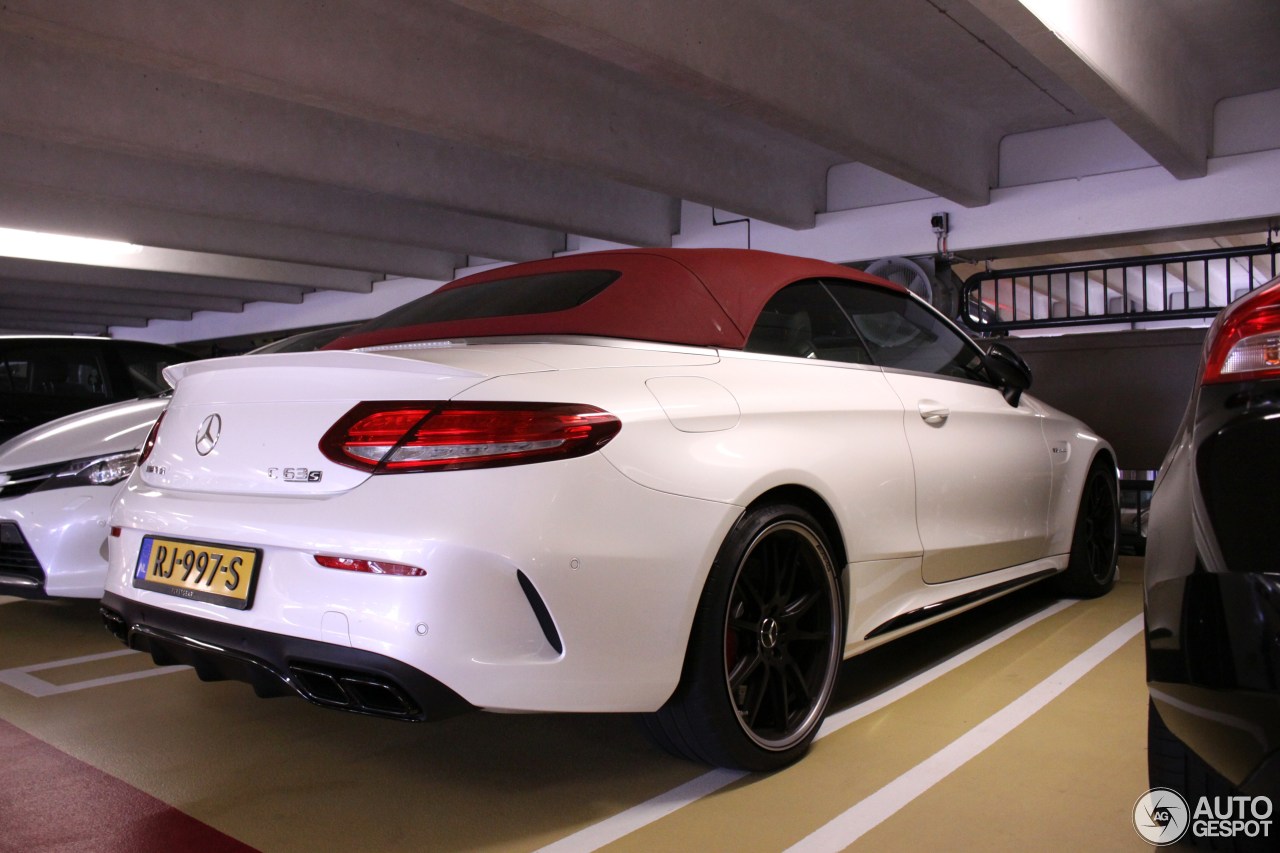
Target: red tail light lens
{"points": [[396, 437], [370, 567], [150, 443], [1244, 342]]}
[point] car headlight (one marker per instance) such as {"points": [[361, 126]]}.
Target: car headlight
{"points": [[93, 471]]}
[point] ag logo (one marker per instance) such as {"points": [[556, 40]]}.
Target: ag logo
{"points": [[208, 434], [1161, 816]]}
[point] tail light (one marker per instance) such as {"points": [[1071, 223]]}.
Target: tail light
{"points": [[398, 437], [371, 567], [1244, 342], [150, 443]]}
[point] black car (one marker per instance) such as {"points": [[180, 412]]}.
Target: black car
{"points": [[43, 377], [1213, 576]]}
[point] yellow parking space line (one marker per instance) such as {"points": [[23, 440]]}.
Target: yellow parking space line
{"points": [[1064, 780], [637, 817], [888, 800], [865, 708], [21, 677], [624, 823]]}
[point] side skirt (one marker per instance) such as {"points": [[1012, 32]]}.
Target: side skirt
{"points": [[939, 609]]}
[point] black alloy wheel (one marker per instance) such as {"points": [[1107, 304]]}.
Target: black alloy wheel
{"points": [[765, 649], [1091, 569], [779, 632]]}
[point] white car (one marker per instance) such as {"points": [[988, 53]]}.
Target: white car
{"points": [[683, 483], [57, 482]]}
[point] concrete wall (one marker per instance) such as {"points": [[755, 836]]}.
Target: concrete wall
{"points": [[1131, 387]]}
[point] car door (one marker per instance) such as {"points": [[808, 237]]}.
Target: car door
{"points": [[982, 466], [867, 467]]}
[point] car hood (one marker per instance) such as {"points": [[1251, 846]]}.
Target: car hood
{"points": [[114, 428]]}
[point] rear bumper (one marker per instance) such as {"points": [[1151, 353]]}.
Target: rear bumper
{"points": [[276, 665], [546, 587]]}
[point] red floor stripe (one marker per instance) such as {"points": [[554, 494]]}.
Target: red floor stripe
{"points": [[50, 801]]}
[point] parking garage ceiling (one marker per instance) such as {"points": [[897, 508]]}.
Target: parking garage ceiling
{"points": [[268, 149]]}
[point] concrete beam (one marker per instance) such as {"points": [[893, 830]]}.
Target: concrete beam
{"points": [[319, 309], [1128, 60], [51, 327], [206, 239], [359, 104], [798, 67], [1238, 194], [36, 315], [54, 304], [78, 216], [269, 200], [145, 300], [1122, 208], [28, 270]]}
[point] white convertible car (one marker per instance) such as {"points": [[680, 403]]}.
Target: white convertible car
{"points": [[683, 483]]}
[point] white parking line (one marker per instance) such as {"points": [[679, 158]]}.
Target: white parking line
{"points": [[22, 679], [884, 803], [637, 817]]}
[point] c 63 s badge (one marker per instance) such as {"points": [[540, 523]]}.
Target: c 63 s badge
{"points": [[296, 475]]}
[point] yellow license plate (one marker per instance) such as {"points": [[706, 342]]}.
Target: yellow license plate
{"points": [[201, 571]]}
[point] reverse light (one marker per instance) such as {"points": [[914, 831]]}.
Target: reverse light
{"points": [[1244, 342], [401, 437], [371, 567]]}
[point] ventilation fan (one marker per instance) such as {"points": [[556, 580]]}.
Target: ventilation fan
{"points": [[930, 279], [905, 272]]}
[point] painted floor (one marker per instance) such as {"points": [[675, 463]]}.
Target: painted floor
{"points": [[1017, 726]]}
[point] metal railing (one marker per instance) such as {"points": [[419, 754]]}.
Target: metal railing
{"points": [[1185, 285]]}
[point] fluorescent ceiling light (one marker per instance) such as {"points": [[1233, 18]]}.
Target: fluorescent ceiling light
{"points": [[1062, 17], [61, 247]]}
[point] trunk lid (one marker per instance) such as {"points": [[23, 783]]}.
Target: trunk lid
{"points": [[252, 424]]}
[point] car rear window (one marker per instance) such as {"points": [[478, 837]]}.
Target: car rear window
{"points": [[527, 294]]}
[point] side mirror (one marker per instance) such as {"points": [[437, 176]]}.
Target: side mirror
{"points": [[1010, 371]]}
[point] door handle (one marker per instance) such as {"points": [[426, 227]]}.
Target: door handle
{"points": [[934, 413]]}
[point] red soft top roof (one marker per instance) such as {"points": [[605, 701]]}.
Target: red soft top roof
{"points": [[699, 297]]}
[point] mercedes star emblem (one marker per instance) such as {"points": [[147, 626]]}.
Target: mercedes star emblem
{"points": [[207, 436]]}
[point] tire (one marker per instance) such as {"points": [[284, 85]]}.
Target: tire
{"points": [[765, 648], [1171, 764], [1095, 544]]}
